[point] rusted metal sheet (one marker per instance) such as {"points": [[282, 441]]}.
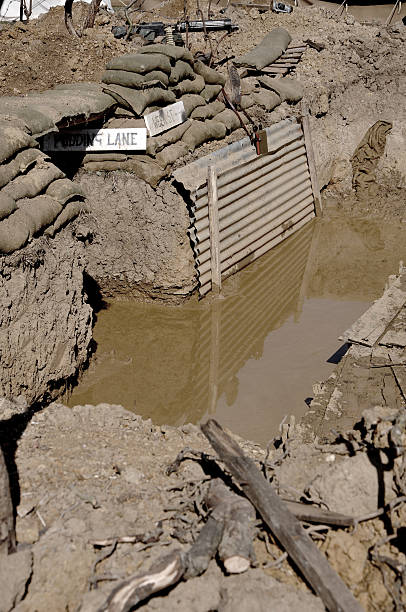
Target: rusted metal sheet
{"points": [[261, 199]]}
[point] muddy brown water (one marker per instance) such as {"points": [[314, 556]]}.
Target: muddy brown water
{"points": [[252, 357]]}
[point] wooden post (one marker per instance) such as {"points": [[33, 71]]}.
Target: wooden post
{"points": [[311, 160], [214, 230], [284, 525]]}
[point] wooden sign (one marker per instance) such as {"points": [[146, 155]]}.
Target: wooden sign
{"points": [[120, 139], [165, 118]]}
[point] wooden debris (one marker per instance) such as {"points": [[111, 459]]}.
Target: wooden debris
{"points": [[286, 528], [137, 588], [371, 326], [314, 514], [239, 516]]}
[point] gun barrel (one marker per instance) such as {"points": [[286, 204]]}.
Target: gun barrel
{"points": [[211, 25]]}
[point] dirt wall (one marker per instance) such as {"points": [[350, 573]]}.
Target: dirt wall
{"points": [[45, 322], [139, 246]]}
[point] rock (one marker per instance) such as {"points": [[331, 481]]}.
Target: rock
{"points": [[351, 486], [27, 530], [15, 571]]}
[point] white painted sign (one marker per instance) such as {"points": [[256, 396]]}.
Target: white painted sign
{"points": [[120, 139], [165, 118]]}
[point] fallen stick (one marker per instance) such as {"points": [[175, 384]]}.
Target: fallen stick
{"points": [[230, 529], [286, 528], [137, 588], [238, 516], [313, 514]]}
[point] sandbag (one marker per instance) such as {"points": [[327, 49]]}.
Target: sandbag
{"points": [[24, 160], [137, 100], [230, 119], [266, 98], [289, 90], [141, 165], [210, 92], [140, 62], [270, 48], [211, 76], [32, 183], [157, 143], [134, 80], [181, 71], [200, 132], [63, 190], [246, 102], [102, 157], [208, 111], [175, 53], [366, 157], [39, 213], [170, 154], [14, 232], [68, 213], [7, 205], [189, 87], [190, 102], [13, 140], [125, 122]]}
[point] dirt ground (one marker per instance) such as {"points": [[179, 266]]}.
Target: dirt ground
{"points": [[92, 475], [87, 474]]}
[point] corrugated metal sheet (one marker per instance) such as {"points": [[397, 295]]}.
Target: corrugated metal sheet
{"points": [[261, 199]]}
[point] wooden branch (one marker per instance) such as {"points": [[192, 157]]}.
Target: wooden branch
{"points": [[137, 588], [239, 517], [69, 20], [91, 15], [205, 547], [313, 514], [7, 534], [286, 528]]}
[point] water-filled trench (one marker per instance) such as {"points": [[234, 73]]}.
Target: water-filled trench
{"points": [[252, 357]]}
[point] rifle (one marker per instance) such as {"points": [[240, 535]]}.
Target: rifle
{"points": [[150, 31]]}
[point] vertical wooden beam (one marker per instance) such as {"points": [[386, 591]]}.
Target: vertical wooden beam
{"points": [[214, 230], [311, 160]]}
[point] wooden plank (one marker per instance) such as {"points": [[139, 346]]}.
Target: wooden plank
{"points": [[283, 65], [395, 335], [373, 323], [311, 161], [286, 528], [275, 70], [214, 229]]}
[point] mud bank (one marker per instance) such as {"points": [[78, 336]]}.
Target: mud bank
{"points": [[46, 322]]}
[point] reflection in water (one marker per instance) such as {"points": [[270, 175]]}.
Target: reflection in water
{"points": [[252, 357]]}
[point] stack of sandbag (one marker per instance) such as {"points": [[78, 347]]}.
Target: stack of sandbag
{"points": [[152, 78], [35, 196]]}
